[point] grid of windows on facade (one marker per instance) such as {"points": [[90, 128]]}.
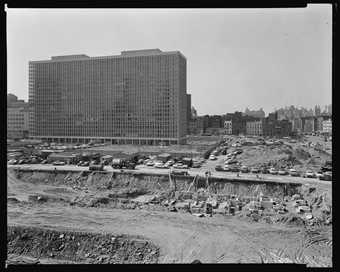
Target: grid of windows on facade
{"points": [[228, 127], [327, 126], [254, 128], [134, 96]]}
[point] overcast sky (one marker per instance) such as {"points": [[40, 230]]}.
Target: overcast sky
{"points": [[236, 58]]}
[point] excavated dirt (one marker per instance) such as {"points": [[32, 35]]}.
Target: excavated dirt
{"points": [[283, 156], [79, 247], [130, 205]]}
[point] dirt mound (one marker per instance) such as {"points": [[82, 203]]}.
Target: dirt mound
{"points": [[134, 185], [79, 247], [291, 219], [41, 198], [301, 154], [127, 193], [12, 200]]}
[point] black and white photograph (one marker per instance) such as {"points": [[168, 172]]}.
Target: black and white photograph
{"points": [[169, 135]]}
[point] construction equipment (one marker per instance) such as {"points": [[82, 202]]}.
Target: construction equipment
{"points": [[209, 209], [96, 167]]}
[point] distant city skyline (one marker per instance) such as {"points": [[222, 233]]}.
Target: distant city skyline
{"points": [[236, 59]]}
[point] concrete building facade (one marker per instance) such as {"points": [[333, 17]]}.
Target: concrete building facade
{"points": [[254, 128], [296, 124], [228, 127], [327, 126], [17, 122], [309, 124], [17, 117], [189, 115], [138, 97]]}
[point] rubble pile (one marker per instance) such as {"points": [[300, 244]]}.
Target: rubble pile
{"points": [[79, 247], [302, 154]]}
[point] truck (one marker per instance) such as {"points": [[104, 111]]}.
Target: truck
{"points": [[96, 167], [120, 164]]}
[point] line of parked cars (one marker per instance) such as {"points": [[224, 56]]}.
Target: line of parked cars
{"points": [[256, 170], [29, 160], [184, 163]]}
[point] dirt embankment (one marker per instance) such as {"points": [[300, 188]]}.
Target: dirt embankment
{"points": [[140, 191], [100, 189], [79, 247], [132, 185]]}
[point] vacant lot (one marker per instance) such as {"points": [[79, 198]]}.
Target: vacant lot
{"points": [[195, 146]]}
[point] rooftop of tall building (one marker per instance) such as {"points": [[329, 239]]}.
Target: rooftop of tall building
{"points": [[123, 54]]}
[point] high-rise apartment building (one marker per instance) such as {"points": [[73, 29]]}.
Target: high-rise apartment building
{"points": [[189, 115], [138, 97]]}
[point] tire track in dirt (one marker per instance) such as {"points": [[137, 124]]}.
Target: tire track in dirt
{"points": [[181, 237]]}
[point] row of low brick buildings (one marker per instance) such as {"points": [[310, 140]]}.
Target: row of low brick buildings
{"points": [[310, 124], [237, 123]]}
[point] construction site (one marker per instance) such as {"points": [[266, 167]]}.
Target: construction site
{"points": [[72, 214]]}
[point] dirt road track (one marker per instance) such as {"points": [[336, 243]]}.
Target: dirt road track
{"points": [[181, 237]]}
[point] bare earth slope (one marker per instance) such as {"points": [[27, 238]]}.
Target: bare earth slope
{"points": [[180, 237]]}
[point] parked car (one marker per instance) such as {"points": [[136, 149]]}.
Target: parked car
{"points": [[282, 172], [273, 171], [80, 163], [234, 168], [58, 163], [326, 176], [255, 170], [196, 165], [150, 163], [219, 168], [293, 172], [309, 174], [215, 153], [170, 162], [231, 161], [158, 165], [212, 157], [86, 163], [244, 169], [140, 161], [44, 162], [264, 170], [318, 174], [12, 162], [178, 165], [227, 168], [21, 161]]}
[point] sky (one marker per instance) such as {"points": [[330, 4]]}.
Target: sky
{"points": [[236, 58]]}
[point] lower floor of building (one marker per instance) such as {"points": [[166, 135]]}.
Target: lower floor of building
{"points": [[122, 141], [17, 134]]}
